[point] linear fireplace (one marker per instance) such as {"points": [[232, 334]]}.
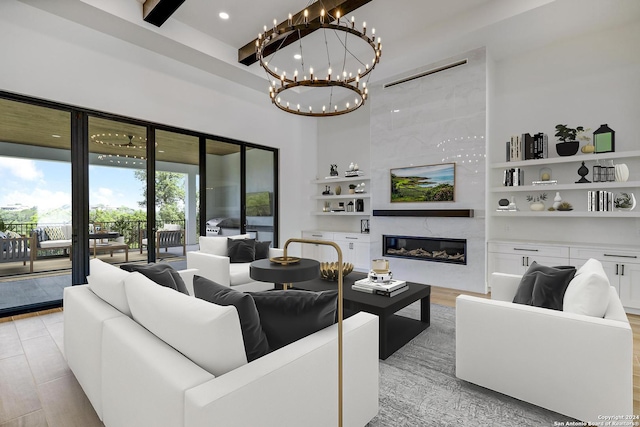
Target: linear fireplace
{"points": [[426, 248]]}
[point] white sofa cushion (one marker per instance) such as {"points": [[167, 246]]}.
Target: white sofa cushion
{"points": [[46, 244], [588, 291], [106, 281], [171, 227], [206, 333], [217, 245]]}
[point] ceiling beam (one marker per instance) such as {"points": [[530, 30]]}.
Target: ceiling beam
{"points": [[247, 53], [156, 12]]}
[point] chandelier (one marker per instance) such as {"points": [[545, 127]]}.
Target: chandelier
{"points": [[124, 152], [305, 86]]}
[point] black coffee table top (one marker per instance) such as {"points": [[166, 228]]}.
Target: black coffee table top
{"points": [[377, 304]]}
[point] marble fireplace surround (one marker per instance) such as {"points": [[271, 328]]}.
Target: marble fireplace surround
{"points": [[439, 118]]}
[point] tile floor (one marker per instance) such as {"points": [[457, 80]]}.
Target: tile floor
{"points": [[37, 388]]}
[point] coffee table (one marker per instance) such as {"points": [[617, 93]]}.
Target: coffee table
{"points": [[394, 330]]}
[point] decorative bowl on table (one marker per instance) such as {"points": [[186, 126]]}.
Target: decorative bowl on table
{"points": [[329, 270]]}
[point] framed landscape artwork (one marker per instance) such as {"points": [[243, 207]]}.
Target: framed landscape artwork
{"points": [[430, 183]]}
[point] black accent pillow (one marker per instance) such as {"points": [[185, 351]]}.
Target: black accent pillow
{"points": [[241, 250], [543, 286], [255, 340], [287, 316], [161, 273], [262, 250]]}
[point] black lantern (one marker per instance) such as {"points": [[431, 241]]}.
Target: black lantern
{"points": [[604, 139]]}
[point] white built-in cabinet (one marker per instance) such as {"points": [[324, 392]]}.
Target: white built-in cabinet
{"points": [[354, 247], [620, 263]]}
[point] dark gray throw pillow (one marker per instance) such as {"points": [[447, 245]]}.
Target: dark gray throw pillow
{"points": [[241, 250], [255, 340], [543, 286], [287, 316], [262, 249], [161, 273]]}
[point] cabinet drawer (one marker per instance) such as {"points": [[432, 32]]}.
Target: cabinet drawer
{"points": [[607, 254], [317, 235], [351, 237], [529, 249]]}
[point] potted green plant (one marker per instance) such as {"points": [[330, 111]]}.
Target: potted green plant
{"points": [[536, 203], [625, 201], [352, 188], [569, 139]]}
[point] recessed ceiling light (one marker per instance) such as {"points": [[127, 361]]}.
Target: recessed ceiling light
{"points": [[223, 15], [297, 56], [55, 136]]}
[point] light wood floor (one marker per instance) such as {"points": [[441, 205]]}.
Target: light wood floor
{"points": [[37, 389]]}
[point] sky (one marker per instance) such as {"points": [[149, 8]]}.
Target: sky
{"points": [[47, 184]]}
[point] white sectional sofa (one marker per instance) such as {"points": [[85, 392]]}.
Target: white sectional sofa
{"points": [[147, 355], [213, 263], [576, 364]]}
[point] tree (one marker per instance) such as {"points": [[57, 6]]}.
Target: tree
{"points": [[170, 194]]}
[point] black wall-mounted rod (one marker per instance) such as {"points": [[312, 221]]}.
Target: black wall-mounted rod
{"points": [[442, 213]]}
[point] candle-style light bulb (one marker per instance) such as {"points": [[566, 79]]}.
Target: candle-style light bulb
{"points": [[347, 105], [364, 27], [335, 108], [338, 16], [311, 73], [295, 76], [290, 21], [373, 31], [323, 109], [353, 21], [329, 77], [298, 107], [306, 16], [322, 16]]}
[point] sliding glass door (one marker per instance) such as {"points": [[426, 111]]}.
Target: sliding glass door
{"points": [[260, 206], [35, 204]]}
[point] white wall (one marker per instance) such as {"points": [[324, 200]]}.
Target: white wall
{"points": [[588, 81], [51, 58]]}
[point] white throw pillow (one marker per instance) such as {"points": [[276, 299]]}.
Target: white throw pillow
{"points": [[217, 245], [206, 333], [588, 291], [106, 281]]}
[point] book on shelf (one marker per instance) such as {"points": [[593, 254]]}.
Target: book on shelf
{"points": [[389, 286], [526, 147], [349, 174], [599, 201], [370, 290], [513, 177]]}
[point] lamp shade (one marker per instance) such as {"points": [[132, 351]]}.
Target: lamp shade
{"points": [[264, 270]]}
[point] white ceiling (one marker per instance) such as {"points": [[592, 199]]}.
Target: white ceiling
{"points": [[414, 32]]}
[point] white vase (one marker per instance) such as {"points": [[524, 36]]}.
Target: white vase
{"points": [[621, 172], [557, 200], [536, 206]]}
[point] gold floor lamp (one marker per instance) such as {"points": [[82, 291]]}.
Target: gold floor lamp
{"points": [[287, 270]]}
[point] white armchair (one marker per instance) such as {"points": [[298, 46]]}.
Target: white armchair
{"points": [[214, 264], [578, 365]]}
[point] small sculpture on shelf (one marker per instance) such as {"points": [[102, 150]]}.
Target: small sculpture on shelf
{"points": [[327, 191], [583, 171], [333, 170]]}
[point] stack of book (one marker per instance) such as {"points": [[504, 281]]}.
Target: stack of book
{"points": [[349, 174], [388, 289], [527, 147]]}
